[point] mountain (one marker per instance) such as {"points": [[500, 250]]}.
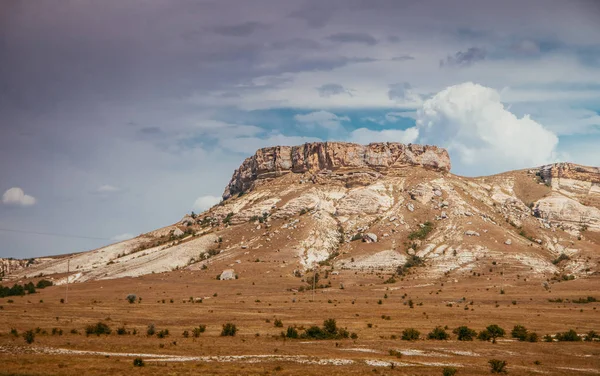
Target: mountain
{"points": [[381, 207]]}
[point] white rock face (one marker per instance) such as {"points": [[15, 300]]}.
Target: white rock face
{"points": [[227, 274], [508, 242], [369, 237]]}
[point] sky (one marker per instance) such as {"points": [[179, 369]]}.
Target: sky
{"points": [[117, 117]]}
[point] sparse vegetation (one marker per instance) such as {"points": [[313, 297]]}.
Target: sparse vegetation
{"points": [[410, 334], [98, 329], [560, 258], [491, 332], [131, 298], [438, 333], [29, 336], [568, 336], [464, 333], [138, 362], [229, 329], [449, 371], [498, 366], [421, 233]]}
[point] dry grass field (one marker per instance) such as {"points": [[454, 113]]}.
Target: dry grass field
{"points": [[257, 299]]}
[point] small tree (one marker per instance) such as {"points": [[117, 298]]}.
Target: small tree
{"points": [[449, 371], [464, 333], [498, 366], [438, 334], [229, 329], [131, 298], [291, 332], [29, 336], [330, 326], [493, 332], [519, 332], [569, 336], [410, 334], [151, 330], [138, 362]]}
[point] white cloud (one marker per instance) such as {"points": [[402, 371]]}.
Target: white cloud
{"points": [[365, 135], [107, 189], [203, 203], [16, 196], [122, 237], [481, 135], [393, 117], [322, 119]]}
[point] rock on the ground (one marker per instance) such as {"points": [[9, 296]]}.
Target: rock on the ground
{"points": [[227, 274], [369, 237]]}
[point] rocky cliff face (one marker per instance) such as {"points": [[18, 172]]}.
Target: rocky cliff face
{"points": [[8, 266], [314, 157]]}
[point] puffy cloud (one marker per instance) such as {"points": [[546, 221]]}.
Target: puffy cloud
{"points": [[122, 237], [463, 59], [16, 196], [365, 135], [322, 119], [203, 203], [481, 135]]}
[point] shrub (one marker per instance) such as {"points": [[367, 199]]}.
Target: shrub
{"points": [[14, 332], [97, 329], [56, 331], [422, 232], [278, 323], [29, 336], [410, 334], [568, 336], [560, 258], [491, 332], [464, 333], [151, 330], [229, 329], [591, 335], [395, 353], [438, 334], [532, 337], [329, 331], [121, 331], [162, 333], [548, 338], [354, 335], [43, 283], [498, 366], [330, 326], [449, 371], [131, 298], [186, 334], [197, 331], [519, 332], [138, 362], [291, 332]]}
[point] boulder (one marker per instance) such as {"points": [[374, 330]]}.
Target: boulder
{"points": [[369, 237], [508, 242], [227, 274], [471, 233]]}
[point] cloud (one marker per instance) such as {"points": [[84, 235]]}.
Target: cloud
{"points": [[526, 47], [350, 37], [328, 90], [107, 189], [403, 92], [481, 135], [403, 58], [16, 196], [203, 203], [365, 135], [239, 30], [122, 237], [464, 59], [315, 14], [323, 119], [393, 117]]}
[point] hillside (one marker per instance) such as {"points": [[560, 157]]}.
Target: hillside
{"points": [[365, 208]]}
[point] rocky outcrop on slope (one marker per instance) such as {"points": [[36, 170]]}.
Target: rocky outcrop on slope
{"points": [[8, 266], [577, 178], [314, 157]]}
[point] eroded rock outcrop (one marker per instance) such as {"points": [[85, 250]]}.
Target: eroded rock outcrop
{"points": [[319, 156]]}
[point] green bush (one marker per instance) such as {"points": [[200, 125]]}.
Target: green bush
{"points": [[131, 298], [163, 333], [491, 332], [197, 331], [97, 329], [151, 330], [291, 332], [449, 371], [229, 329], [410, 334], [422, 232], [29, 336], [532, 337], [138, 362], [464, 333], [568, 336], [498, 366], [438, 333], [591, 335], [519, 332], [43, 283], [329, 331]]}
